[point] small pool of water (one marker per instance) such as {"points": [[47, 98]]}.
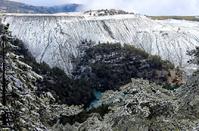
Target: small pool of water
{"points": [[96, 103]]}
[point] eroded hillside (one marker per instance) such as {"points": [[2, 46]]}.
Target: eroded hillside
{"points": [[55, 38]]}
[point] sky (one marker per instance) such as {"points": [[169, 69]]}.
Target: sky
{"points": [[147, 7]]}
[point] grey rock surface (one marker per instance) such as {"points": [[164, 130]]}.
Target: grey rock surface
{"points": [[55, 38]]}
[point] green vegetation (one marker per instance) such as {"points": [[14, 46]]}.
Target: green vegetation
{"points": [[170, 87], [159, 63], [109, 66], [84, 115], [195, 56]]}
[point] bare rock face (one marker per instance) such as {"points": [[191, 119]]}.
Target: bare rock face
{"points": [[55, 38]]}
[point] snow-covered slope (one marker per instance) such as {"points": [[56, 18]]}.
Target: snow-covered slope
{"points": [[55, 38]]}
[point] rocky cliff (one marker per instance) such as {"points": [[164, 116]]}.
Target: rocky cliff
{"points": [[55, 38]]}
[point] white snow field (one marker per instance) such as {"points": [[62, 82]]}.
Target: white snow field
{"points": [[55, 38]]}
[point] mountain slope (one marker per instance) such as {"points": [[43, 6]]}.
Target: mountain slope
{"points": [[139, 105], [28, 107], [55, 38], [16, 7], [109, 66]]}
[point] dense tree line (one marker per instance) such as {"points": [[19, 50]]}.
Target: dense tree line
{"points": [[195, 56], [109, 66]]}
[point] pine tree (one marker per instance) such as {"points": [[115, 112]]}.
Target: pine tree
{"points": [[4, 44], [195, 56]]}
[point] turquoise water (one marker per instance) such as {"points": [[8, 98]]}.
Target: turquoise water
{"points": [[96, 103]]}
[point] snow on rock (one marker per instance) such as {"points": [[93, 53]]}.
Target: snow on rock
{"points": [[55, 38], [34, 112], [142, 106], [105, 12]]}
